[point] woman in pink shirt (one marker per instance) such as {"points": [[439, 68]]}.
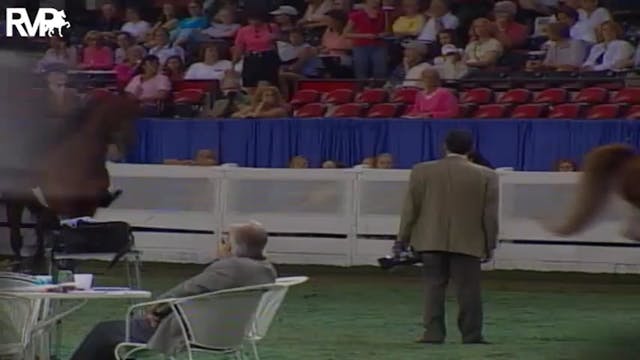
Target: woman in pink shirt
{"points": [[434, 101], [255, 44], [150, 86], [96, 56]]}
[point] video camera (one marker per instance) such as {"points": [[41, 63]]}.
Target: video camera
{"points": [[402, 255]]}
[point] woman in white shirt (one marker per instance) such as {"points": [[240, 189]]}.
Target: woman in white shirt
{"points": [[59, 53], [135, 26], [593, 15], [611, 53], [211, 67]]}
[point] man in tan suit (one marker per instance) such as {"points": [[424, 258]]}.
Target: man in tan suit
{"points": [[450, 219]]}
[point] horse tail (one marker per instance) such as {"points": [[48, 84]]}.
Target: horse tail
{"points": [[602, 167]]}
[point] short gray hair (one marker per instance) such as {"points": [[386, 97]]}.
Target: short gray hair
{"points": [[248, 240]]}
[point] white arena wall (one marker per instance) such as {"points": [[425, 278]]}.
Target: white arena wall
{"points": [[344, 217]]}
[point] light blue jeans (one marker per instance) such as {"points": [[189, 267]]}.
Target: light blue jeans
{"points": [[370, 61]]}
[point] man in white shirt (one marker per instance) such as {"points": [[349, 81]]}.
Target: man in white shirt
{"points": [[135, 26], [211, 67], [439, 18], [593, 15], [163, 48]]}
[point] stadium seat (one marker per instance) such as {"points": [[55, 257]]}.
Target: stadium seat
{"points": [[303, 97], [466, 110], [634, 112], [372, 96], [404, 95], [478, 96], [189, 96], [348, 110], [384, 110], [552, 96], [604, 111], [204, 85], [566, 111], [311, 110], [339, 96], [530, 111], [491, 111], [325, 86], [627, 96], [592, 95], [99, 93], [516, 96]]}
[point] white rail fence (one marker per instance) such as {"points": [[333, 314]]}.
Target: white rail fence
{"points": [[344, 217]]}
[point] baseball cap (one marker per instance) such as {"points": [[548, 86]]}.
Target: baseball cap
{"points": [[285, 10], [450, 49]]}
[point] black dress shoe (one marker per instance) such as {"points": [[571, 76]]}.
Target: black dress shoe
{"points": [[477, 342], [427, 341]]}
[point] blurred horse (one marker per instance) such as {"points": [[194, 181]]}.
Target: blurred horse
{"points": [[610, 169]]}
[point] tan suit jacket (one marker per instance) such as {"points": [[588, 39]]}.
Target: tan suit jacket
{"points": [[451, 206]]}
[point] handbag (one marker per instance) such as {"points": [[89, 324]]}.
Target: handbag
{"points": [[95, 237]]}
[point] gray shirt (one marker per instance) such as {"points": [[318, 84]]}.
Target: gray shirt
{"points": [[569, 52]]}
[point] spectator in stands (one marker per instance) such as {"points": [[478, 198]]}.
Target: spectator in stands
{"points": [[336, 45], [305, 65], [484, 50], [150, 86], [127, 69], [366, 27], [59, 52], [163, 48], [384, 161], [108, 23], [298, 162], [189, 28], [62, 101], [409, 72], [434, 101], [411, 22], [439, 17], [255, 45], [96, 56], [168, 19], [452, 67], [511, 34], [633, 62], [565, 165], [316, 13], [124, 40], [211, 67], [135, 26], [268, 103], [593, 15], [611, 52], [175, 69], [579, 30], [332, 164], [204, 157], [285, 18], [224, 25], [563, 53]]}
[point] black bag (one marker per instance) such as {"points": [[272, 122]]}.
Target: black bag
{"points": [[100, 237]]}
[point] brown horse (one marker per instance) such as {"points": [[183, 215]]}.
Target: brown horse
{"points": [[608, 169]]}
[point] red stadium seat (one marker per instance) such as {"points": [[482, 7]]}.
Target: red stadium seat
{"points": [[628, 96], [348, 110], [188, 96], [566, 111], [592, 95], [340, 96], [634, 112], [552, 96], [516, 96], [466, 110], [303, 97], [529, 111], [384, 110], [491, 111], [372, 96], [204, 85], [404, 95], [311, 110], [478, 96], [325, 86], [604, 111]]}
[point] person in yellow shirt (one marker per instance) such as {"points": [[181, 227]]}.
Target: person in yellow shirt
{"points": [[411, 22]]}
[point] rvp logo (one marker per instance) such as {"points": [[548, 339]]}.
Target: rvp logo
{"points": [[46, 23]]}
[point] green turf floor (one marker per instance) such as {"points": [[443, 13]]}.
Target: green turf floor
{"points": [[364, 313]]}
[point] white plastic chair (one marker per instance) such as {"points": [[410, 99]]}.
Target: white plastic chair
{"points": [[214, 323], [18, 317], [268, 309]]}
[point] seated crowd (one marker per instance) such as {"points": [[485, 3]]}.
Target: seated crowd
{"points": [[257, 57]]}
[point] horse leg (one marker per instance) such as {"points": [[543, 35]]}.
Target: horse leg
{"points": [[14, 210]]}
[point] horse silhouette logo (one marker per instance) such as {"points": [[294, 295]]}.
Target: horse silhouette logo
{"points": [[58, 22]]}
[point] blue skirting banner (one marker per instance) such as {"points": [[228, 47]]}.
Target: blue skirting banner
{"points": [[531, 145]]}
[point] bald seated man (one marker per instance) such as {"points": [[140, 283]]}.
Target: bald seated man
{"points": [[241, 263]]}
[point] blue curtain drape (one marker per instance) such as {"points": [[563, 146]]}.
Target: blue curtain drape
{"points": [[531, 145]]}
